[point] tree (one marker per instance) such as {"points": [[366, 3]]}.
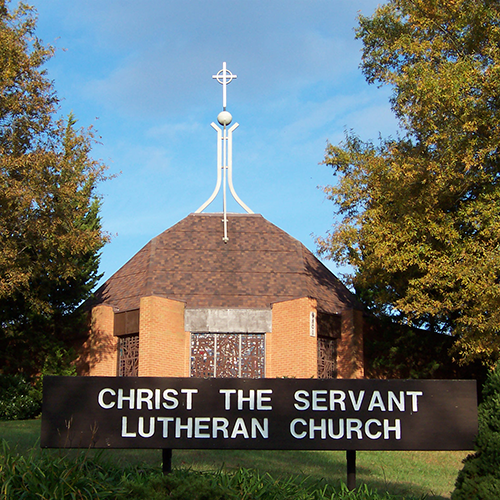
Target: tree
{"points": [[480, 477], [419, 214], [50, 231]]}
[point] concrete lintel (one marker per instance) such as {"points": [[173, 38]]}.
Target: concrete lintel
{"points": [[228, 320]]}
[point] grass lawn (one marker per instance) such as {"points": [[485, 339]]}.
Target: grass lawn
{"points": [[398, 472]]}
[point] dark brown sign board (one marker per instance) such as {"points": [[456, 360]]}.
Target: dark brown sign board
{"points": [[266, 414]]}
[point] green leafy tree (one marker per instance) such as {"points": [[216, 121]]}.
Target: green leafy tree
{"points": [[50, 231], [480, 477], [419, 214]]}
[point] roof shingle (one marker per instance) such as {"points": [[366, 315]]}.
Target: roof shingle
{"points": [[259, 265]]}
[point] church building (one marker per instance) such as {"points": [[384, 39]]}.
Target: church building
{"points": [[224, 295]]}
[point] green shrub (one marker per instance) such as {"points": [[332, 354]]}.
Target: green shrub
{"points": [[243, 484], [43, 475], [56, 478], [480, 477], [177, 485], [19, 399]]}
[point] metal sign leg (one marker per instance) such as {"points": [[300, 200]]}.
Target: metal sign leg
{"points": [[166, 460], [351, 469]]}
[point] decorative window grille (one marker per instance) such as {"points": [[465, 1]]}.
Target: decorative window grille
{"points": [[227, 355], [327, 358], [128, 355]]}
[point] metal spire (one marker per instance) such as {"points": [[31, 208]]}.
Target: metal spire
{"points": [[224, 150]]}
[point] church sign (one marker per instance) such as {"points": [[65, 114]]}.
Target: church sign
{"points": [[287, 414]]}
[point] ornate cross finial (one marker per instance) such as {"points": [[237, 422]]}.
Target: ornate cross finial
{"points": [[224, 151], [224, 76]]}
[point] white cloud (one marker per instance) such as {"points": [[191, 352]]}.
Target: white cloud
{"points": [[156, 57]]}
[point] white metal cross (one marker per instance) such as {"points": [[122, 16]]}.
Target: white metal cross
{"points": [[224, 151], [224, 76]]}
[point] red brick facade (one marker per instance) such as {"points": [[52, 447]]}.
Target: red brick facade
{"points": [[99, 353], [291, 347], [164, 345], [350, 359], [291, 351]]}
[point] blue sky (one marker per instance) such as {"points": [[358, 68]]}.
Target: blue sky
{"points": [[141, 74]]}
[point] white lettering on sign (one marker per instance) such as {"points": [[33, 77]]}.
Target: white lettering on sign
{"points": [[368, 431], [356, 404], [414, 401], [349, 428], [195, 427], [220, 424], [100, 399], [262, 398], [144, 398], [130, 398], [301, 398], [376, 402], [189, 397], [165, 421], [336, 400], [319, 400], [171, 402], [160, 412], [227, 400], [125, 431], [393, 400], [242, 400], [256, 399], [142, 432], [337, 397]]}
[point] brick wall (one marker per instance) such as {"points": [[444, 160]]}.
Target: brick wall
{"points": [[290, 349], [99, 355], [350, 363], [163, 343]]}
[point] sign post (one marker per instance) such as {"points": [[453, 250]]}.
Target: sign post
{"points": [[259, 414], [351, 469], [166, 460]]}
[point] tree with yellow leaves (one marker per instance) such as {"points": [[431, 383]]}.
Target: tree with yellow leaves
{"points": [[50, 233], [419, 214]]}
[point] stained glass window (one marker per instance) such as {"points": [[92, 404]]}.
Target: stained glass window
{"points": [[202, 355], [227, 355]]}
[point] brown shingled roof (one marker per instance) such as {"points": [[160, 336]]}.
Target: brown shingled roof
{"points": [[260, 265]]}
